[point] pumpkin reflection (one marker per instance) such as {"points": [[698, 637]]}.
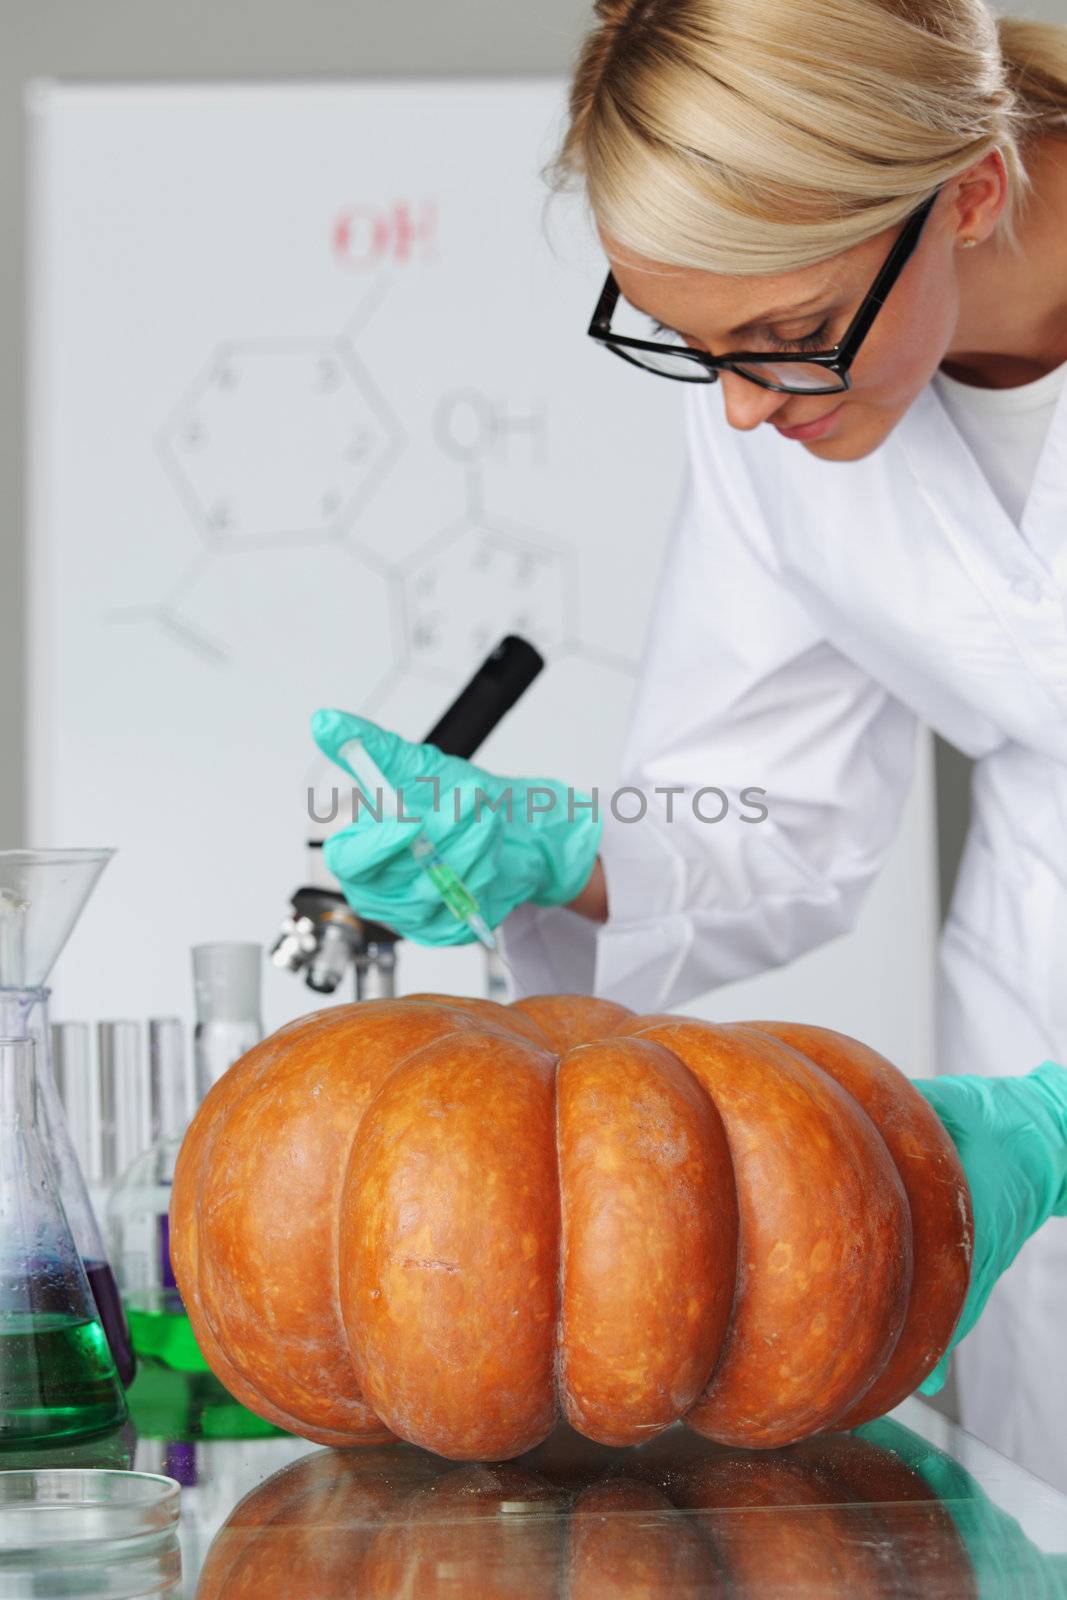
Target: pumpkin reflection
{"points": [[843, 1516]]}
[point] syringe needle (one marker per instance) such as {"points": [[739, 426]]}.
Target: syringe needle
{"points": [[481, 930]]}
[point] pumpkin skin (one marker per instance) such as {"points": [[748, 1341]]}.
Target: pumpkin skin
{"points": [[453, 1222]]}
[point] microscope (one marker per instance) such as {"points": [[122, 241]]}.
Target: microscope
{"points": [[322, 936]]}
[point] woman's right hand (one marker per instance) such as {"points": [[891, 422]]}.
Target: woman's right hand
{"points": [[509, 839]]}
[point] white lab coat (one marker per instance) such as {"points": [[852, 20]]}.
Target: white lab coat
{"points": [[810, 615]]}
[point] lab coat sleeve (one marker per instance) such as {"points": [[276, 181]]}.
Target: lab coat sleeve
{"points": [[740, 691]]}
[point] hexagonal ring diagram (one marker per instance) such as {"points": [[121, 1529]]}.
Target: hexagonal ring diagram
{"points": [[476, 581], [282, 442], [278, 441]]}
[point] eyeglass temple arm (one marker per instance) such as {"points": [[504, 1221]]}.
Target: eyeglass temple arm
{"points": [[891, 269], [605, 306], [860, 325]]}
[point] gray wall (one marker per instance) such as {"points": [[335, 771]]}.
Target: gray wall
{"points": [[144, 39]]}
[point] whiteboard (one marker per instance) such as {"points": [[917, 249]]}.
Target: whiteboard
{"points": [[313, 421]]}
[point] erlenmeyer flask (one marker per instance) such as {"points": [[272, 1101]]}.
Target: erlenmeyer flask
{"points": [[57, 1373], [42, 895]]}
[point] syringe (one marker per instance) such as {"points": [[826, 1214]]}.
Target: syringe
{"points": [[445, 879]]}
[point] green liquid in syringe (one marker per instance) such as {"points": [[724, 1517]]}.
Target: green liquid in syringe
{"points": [[448, 883], [57, 1379]]}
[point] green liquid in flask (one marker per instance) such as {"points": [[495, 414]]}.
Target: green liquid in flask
{"points": [[164, 1334], [57, 1373], [57, 1378]]}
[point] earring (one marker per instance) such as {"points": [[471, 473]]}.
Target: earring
{"points": [[968, 243]]}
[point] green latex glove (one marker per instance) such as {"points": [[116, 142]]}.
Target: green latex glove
{"points": [[1011, 1135], [542, 848]]}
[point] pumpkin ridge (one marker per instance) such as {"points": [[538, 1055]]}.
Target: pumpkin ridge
{"points": [[892, 1339], [736, 1409], [739, 1253], [248, 1393], [925, 1161], [651, 1220], [511, 1021], [302, 1033], [569, 1020], [558, 1365], [335, 1251], [463, 1183], [196, 1157]]}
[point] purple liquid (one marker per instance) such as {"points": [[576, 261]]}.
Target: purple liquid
{"points": [[113, 1318], [166, 1271], [179, 1462]]}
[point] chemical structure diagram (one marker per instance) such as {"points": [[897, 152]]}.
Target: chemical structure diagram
{"points": [[282, 446]]}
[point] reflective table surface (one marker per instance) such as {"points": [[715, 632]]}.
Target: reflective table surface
{"points": [[909, 1506]]}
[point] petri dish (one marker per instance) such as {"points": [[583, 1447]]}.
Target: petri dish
{"points": [[138, 1572], [69, 1510]]}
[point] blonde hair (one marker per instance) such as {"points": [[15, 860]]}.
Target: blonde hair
{"points": [[758, 136]]}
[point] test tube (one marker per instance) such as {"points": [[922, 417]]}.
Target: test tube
{"points": [[172, 1095], [124, 1116], [227, 981], [72, 1069]]}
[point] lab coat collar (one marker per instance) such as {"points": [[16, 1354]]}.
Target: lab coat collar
{"points": [[951, 479]]}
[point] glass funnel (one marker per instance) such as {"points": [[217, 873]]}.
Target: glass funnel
{"points": [[57, 1373], [42, 895]]}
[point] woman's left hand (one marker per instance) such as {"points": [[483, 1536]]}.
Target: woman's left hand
{"points": [[1011, 1135]]}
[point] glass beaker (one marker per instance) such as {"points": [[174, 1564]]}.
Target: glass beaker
{"points": [[42, 894], [227, 986], [57, 1373]]}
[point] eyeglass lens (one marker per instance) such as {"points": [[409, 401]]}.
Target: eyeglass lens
{"points": [[671, 363], [797, 376]]}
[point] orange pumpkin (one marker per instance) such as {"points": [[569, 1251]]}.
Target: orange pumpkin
{"points": [[454, 1221]]}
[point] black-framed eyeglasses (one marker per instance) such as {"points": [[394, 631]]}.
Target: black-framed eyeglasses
{"points": [[802, 372]]}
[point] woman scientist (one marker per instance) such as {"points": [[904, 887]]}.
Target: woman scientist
{"points": [[846, 224]]}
